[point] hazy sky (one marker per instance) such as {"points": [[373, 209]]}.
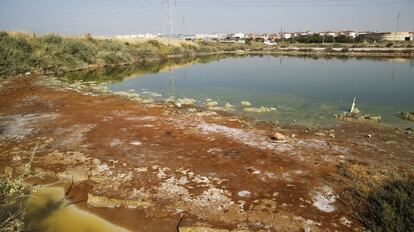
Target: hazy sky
{"points": [[109, 17]]}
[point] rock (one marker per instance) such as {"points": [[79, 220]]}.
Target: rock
{"points": [[245, 103], [409, 116], [354, 117], [8, 171], [211, 103], [74, 174], [262, 109], [148, 101], [27, 74], [244, 194], [135, 143], [185, 101], [217, 108], [373, 118], [228, 106], [332, 135], [44, 173], [278, 137], [369, 136]]}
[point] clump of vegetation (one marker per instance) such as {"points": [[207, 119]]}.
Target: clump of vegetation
{"points": [[389, 45], [20, 53], [11, 204], [381, 200], [13, 198]]}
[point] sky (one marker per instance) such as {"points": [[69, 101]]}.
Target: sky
{"points": [[115, 17]]}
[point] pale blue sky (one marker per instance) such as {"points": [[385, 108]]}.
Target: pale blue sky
{"points": [[109, 17]]}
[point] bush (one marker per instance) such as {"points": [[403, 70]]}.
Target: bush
{"points": [[115, 58], [79, 50], [52, 38], [15, 54], [389, 45], [155, 43], [381, 200], [390, 207], [11, 211]]}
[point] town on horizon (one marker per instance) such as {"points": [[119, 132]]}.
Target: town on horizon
{"points": [[241, 37]]}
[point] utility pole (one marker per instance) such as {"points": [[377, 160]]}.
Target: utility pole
{"points": [[281, 34], [169, 17], [398, 25], [183, 25], [169, 30], [323, 37]]}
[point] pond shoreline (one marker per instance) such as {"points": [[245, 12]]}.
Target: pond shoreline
{"points": [[155, 162], [294, 51]]}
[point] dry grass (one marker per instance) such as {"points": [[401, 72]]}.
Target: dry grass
{"points": [[381, 199]]}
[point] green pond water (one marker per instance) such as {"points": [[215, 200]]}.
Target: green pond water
{"points": [[305, 89]]}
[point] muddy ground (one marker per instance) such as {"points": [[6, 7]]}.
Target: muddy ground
{"points": [[148, 166]]}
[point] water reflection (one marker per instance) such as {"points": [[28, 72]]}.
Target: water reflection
{"points": [[308, 89], [120, 73]]}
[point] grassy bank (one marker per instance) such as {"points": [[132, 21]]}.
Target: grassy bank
{"points": [[21, 53], [381, 199]]}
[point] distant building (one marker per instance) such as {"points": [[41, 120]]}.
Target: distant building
{"points": [[134, 36], [397, 36], [239, 35], [269, 42]]}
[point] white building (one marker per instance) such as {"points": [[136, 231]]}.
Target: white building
{"points": [[398, 36], [134, 36], [239, 35]]}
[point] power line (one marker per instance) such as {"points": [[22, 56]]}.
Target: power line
{"points": [[83, 10], [70, 24], [331, 3]]}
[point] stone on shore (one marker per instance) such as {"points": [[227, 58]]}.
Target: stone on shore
{"points": [[409, 116], [262, 109], [353, 117], [211, 103], [278, 137], [245, 103], [184, 102]]}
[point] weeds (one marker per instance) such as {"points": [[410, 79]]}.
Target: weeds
{"points": [[20, 53], [381, 200], [13, 199]]}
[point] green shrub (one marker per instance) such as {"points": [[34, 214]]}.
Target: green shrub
{"points": [[52, 38], [390, 207], [15, 54], [154, 42], [380, 199], [115, 58], [79, 50], [177, 50]]}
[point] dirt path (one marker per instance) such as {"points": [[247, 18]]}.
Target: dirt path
{"points": [[144, 166]]}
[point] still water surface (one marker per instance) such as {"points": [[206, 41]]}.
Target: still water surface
{"points": [[304, 89]]}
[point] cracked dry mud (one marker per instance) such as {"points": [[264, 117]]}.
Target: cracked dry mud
{"points": [[144, 166]]}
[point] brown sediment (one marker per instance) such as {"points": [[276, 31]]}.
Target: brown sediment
{"points": [[144, 166]]}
